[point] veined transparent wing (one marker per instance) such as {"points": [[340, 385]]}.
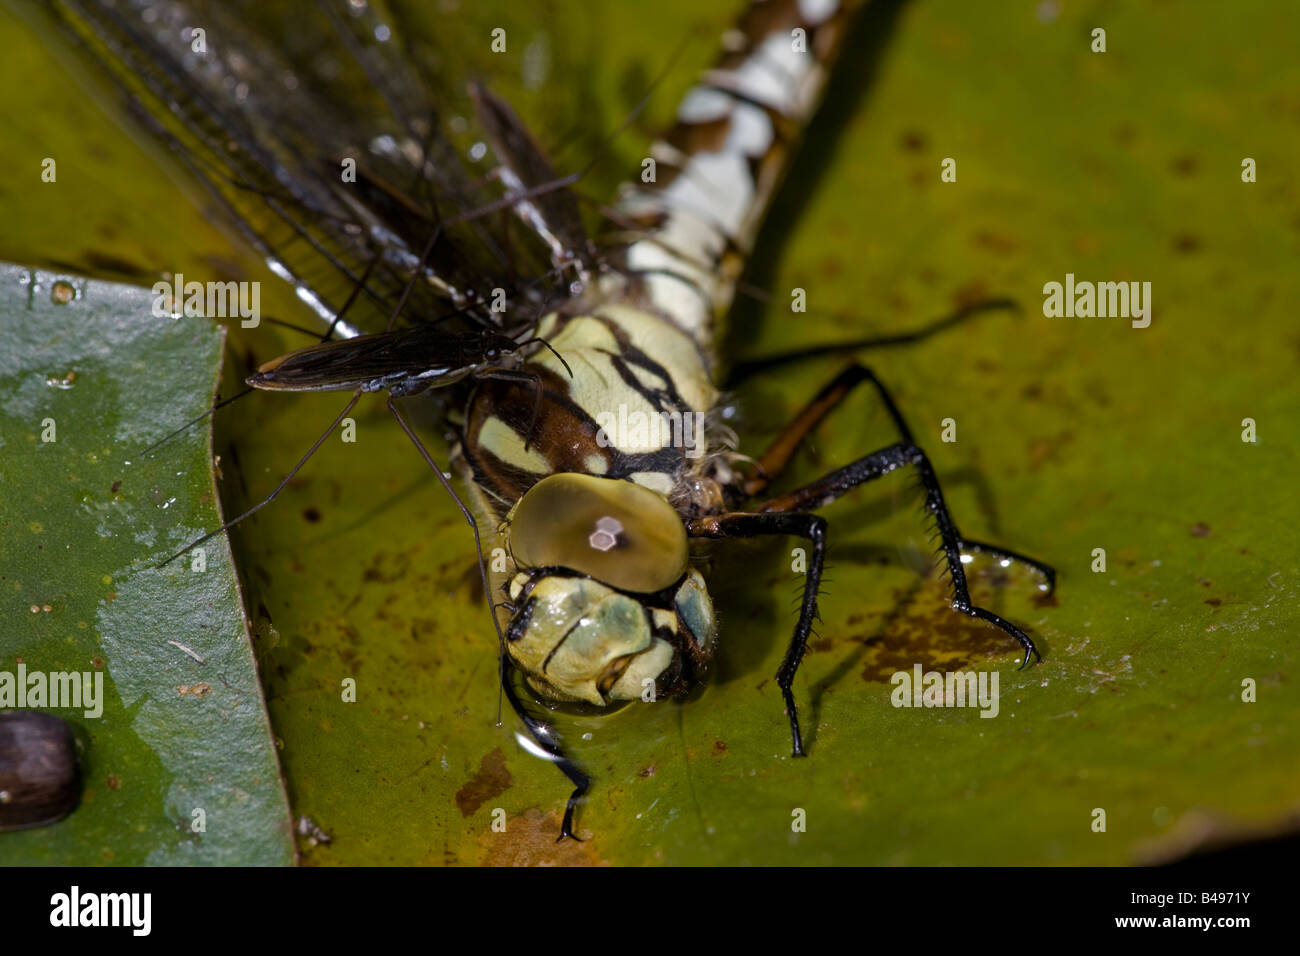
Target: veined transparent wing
{"points": [[270, 104]]}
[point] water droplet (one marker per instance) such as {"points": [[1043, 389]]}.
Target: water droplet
{"points": [[478, 151], [62, 292]]}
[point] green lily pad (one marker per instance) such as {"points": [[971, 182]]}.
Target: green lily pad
{"points": [[178, 764], [1072, 434]]}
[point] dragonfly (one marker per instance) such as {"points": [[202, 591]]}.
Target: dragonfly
{"points": [[585, 413]]}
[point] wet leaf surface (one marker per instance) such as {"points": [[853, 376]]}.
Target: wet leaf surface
{"points": [[1072, 434], [178, 764]]}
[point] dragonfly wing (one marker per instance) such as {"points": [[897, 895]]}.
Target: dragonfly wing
{"points": [[554, 213], [267, 104]]}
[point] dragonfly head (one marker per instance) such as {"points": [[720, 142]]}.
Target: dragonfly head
{"points": [[608, 605]]}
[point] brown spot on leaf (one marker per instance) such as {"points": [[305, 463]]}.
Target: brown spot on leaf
{"points": [[1044, 449], [1213, 602], [1186, 243], [1184, 165], [719, 748], [912, 140], [492, 780], [971, 293], [926, 631], [387, 568], [1046, 600], [1200, 530], [999, 245], [1085, 244], [310, 515], [529, 840]]}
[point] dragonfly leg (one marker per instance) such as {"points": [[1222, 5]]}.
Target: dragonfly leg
{"points": [[744, 370], [548, 741], [278, 488], [810, 526], [774, 460], [826, 489], [778, 455], [469, 518]]}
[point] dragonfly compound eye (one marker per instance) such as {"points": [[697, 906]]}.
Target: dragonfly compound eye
{"points": [[617, 532], [580, 640]]}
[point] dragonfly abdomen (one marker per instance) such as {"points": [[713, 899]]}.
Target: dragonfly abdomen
{"points": [[693, 218]]}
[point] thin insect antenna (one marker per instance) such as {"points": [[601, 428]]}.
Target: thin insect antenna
{"points": [[551, 348], [469, 518], [356, 396], [295, 328], [194, 421]]}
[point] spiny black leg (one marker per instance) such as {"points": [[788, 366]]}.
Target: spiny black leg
{"points": [[826, 489], [545, 738], [812, 527], [744, 370], [777, 456], [952, 549]]}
